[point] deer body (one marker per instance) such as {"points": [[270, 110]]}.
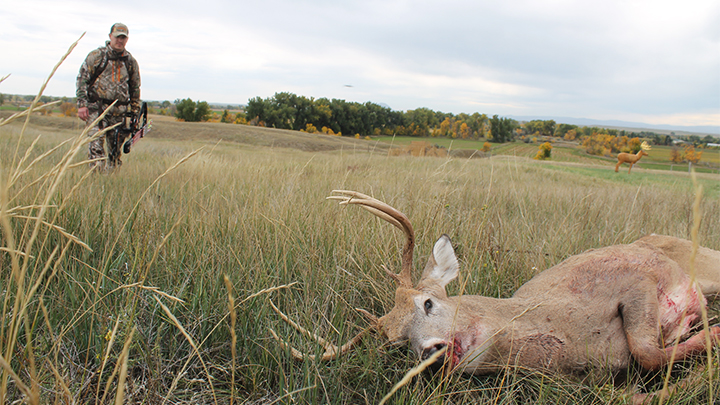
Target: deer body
{"points": [[629, 158], [600, 309]]}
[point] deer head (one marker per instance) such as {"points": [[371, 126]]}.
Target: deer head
{"points": [[423, 314]]}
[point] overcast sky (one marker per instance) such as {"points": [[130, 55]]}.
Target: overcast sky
{"points": [[654, 61]]}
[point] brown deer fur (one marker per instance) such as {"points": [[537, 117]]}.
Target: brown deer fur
{"points": [[629, 158]]}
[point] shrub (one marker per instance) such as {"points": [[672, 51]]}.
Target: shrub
{"points": [[544, 151], [68, 109]]}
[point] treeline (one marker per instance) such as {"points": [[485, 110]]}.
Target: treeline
{"points": [[615, 140], [575, 132], [339, 117], [290, 111]]}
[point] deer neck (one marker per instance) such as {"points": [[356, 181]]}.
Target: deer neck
{"points": [[484, 326], [491, 314]]}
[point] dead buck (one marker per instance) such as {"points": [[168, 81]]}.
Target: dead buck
{"points": [[632, 158], [597, 310]]}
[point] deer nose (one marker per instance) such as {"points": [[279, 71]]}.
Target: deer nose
{"points": [[429, 351]]}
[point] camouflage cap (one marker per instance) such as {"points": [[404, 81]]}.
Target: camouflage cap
{"points": [[119, 29]]}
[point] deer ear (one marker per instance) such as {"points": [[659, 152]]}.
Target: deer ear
{"points": [[442, 266]]}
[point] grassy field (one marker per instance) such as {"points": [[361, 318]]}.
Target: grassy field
{"points": [[117, 281], [563, 151]]}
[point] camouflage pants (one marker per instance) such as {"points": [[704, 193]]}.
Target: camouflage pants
{"points": [[114, 143]]}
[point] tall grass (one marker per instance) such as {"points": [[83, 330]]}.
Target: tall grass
{"points": [[114, 285]]}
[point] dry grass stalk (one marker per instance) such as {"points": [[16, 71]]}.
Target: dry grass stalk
{"points": [[120, 393], [195, 350], [20, 262], [697, 217], [233, 336]]}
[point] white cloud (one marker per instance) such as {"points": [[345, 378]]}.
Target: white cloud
{"points": [[656, 60]]}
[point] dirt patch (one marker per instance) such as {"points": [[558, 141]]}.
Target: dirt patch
{"points": [[213, 132]]}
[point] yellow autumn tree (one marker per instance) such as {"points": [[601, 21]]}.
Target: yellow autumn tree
{"points": [[445, 127], [464, 131], [691, 155], [598, 144], [240, 119], [544, 151], [675, 155]]}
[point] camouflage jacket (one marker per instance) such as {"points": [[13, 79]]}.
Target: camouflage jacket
{"points": [[120, 80]]}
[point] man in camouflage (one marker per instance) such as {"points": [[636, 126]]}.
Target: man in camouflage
{"points": [[109, 73]]}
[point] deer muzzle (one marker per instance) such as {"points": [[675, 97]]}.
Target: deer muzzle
{"points": [[429, 351]]}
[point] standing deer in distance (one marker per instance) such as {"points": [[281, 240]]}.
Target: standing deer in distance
{"points": [[601, 309], [632, 158]]}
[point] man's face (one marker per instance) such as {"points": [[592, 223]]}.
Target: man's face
{"points": [[118, 43]]}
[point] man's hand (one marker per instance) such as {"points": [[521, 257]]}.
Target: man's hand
{"points": [[83, 113]]}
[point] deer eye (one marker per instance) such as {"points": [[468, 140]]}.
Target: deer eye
{"points": [[428, 306]]}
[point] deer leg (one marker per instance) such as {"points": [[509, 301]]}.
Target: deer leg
{"points": [[642, 330], [617, 165], [631, 165]]}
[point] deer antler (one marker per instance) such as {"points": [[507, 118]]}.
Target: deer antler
{"points": [[331, 351], [391, 215], [644, 146]]}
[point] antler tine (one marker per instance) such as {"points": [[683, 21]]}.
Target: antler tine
{"points": [[331, 351], [369, 204], [391, 215]]}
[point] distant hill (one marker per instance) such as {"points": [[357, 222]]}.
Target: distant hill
{"points": [[631, 126]]}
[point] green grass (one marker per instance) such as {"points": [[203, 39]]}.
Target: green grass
{"points": [[9, 107], [259, 216], [148, 296]]}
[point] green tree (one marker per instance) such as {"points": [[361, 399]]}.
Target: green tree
{"points": [[501, 129], [191, 111], [562, 129], [548, 127], [185, 109], [707, 139], [258, 110], [202, 112]]}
